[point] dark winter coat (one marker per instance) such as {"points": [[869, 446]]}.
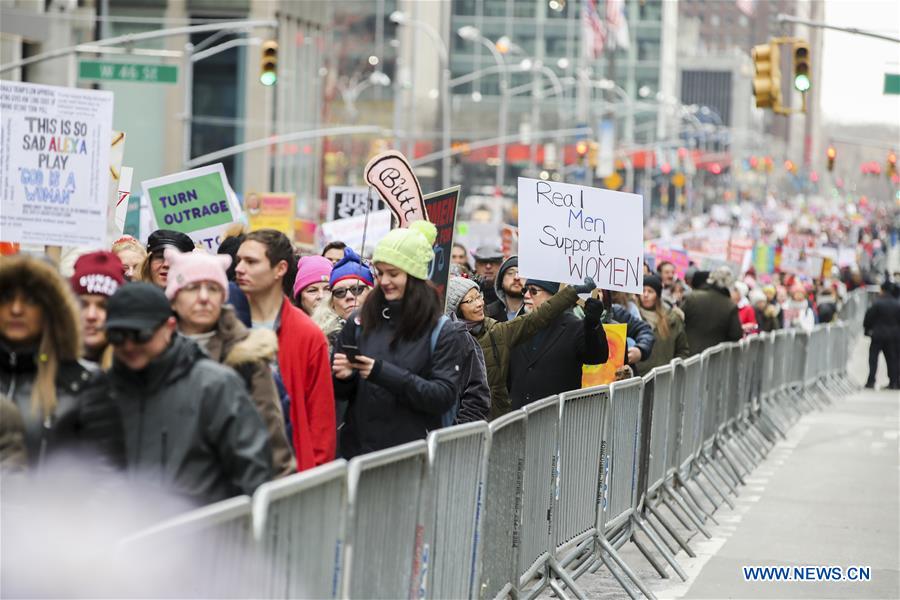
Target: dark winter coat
{"points": [[13, 457], [497, 309], [882, 319], [250, 353], [475, 393], [710, 318], [191, 427], [498, 339], [85, 422], [551, 361], [408, 391], [665, 349]]}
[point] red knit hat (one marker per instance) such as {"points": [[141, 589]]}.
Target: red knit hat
{"points": [[98, 272]]}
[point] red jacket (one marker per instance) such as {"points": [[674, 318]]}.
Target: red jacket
{"points": [[306, 370], [748, 319]]}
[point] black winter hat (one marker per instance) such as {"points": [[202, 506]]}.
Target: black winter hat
{"points": [[654, 282], [161, 239], [551, 286]]}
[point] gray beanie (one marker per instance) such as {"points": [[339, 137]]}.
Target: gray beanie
{"points": [[457, 288]]}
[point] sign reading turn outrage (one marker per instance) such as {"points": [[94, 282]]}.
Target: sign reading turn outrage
{"points": [[569, 232]]}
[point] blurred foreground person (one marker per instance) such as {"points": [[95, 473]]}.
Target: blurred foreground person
{"points": [[398, 360], [710, 317], [132, 255], [65, 407], [189, 424], [198, 290], [97, 276], [882, 325]]}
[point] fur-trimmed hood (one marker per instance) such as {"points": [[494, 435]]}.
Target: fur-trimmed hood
{"points": [[234, 344], [40, 280], [326, 318]]}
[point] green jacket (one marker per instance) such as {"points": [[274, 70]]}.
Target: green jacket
{"points": [[665, 349], [497, 340]]}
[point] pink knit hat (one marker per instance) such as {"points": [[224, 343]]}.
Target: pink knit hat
{"points": [[310, 270], [191, 267]]}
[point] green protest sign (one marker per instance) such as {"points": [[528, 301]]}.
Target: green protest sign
{"points": [[195, 202]]}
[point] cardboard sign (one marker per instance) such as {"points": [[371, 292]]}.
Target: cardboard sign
{"points": [[195, 202], [270, 211], [441, 207], [390, 174], [346, 202], [54, 164], [616, 337], [350, 230], [569, 232]]}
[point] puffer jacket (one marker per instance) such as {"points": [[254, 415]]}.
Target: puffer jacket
{"points": [[190, 426], [250, 352], [497, 340], [408, 391], [85, 423]]}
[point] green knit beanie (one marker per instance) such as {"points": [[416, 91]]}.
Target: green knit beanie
{"points": [[408, 249]]}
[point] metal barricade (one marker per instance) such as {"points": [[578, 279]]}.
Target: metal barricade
{"points": [[624, 442], [503, 506], [287, 514], [676, 415], [540, 488], [659, 426], [384, 534], [205, 553], [692, 421], [457, 468], [716, 373]]}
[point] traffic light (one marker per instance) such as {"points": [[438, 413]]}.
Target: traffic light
{"points": [[801, 66], [268, 68], [581, 149], [767, 80], [831, 153], [891, 164]]}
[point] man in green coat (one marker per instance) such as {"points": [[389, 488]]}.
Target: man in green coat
{"points": [[710, 316], [497, 339]]}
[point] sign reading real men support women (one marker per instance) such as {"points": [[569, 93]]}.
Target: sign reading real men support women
{"points": [[194, 202], [54, 164], [569, 232]]}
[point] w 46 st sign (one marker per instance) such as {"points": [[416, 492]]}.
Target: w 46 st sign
{"points": [[114, 71]]}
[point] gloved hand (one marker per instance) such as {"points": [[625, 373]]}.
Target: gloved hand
{"points": [[593, 311], [588, 287]]}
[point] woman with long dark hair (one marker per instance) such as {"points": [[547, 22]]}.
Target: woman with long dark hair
{"points": [[397, 359], [668, 327]]}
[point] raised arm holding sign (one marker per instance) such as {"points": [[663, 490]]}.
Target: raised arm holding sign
{"points": [[569, 232]]}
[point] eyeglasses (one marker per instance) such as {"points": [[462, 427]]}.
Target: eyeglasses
{"points": [[512, 273], [477, 298], [355, 290], [117, 337], [534, 290]]}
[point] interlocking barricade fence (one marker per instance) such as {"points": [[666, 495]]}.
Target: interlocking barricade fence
{"points": [[540, 489], [385, 535], [453, 507], [206, 553], [503, 506], [534, 499], [288, 514]]}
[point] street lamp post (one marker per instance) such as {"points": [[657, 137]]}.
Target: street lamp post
{"points": [[472, 34], [400, 18]]}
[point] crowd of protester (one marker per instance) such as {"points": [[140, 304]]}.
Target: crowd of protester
{"points": [[210, 374]]}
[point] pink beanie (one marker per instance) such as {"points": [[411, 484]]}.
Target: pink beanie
{"points": [[191, 267], [310, 270]]}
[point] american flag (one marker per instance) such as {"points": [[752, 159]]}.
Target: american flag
{"points": [[593, 33]]}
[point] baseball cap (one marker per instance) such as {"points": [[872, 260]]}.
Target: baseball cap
{"points": [[137, 305]]}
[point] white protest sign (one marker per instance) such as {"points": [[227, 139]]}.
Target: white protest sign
{"points": [[198, 202], [350, 230], [122, 196], [569, 232], [54, 164]]}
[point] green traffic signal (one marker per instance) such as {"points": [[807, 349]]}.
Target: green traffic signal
{"points": [[268, 78], [801, 83]]}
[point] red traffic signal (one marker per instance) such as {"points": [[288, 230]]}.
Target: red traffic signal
{"points": [[831, 153]]}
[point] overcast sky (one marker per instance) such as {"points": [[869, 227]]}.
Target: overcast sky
{"points": [[853, 66]]}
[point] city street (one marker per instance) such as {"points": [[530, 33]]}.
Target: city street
{"points": [[826, 496]]}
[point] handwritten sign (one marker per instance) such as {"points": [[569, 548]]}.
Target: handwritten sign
{"points": [[195, 202], [442, 207], [54, 164], [345, 202], [569, 232], [391, 175], [270, 211]]}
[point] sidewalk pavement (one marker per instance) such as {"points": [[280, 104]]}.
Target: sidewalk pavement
{"points": [[829, 495]]}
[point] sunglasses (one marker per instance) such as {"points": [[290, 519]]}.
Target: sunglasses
{"points": [[534, 290], [355, 290], [117, 337]]}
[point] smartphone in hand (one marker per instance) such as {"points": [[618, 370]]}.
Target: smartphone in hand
{"points": [[351, 350]]}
